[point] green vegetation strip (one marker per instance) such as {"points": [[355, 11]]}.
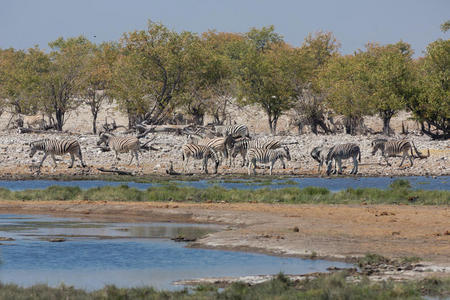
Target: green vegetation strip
{"points": [[333, 286], [399, 192]]}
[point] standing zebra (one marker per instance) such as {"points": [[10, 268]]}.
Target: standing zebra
{"points": [[343, 151], [242, 146], [121, 145], [237, 131], [221, 145], [320, 154], [394, 147], [57, 147], [265, 156], [200, 152]]}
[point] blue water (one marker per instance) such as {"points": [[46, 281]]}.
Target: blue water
{"points": [[333, 184], [96, 254]]}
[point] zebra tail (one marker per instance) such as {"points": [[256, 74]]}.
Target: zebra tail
{"points": [[182, 155], [420, 155]]}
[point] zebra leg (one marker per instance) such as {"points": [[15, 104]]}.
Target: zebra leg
{"points": [[42, 161], [387, 163], [72, 158], [117, 158], [282, 162], [185, 164], [137, 158], [411, 158], [339, 162], [80, 157], [271, 167], [132, 156], [355, 165]]}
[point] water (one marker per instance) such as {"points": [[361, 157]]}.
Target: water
{"points": [[333, 184], [125, 254]]}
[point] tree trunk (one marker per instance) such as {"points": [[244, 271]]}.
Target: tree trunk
{"points": [[386, 127], [59, 119], [94, 122]]}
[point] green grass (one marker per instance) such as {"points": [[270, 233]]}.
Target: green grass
{"points": [[398, 193], [333, 286]]}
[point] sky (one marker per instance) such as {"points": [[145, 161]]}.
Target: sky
{"points": [[26, 23]]}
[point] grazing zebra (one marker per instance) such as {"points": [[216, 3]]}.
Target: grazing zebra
{"points": [[237, 131], [343, 151], [394, 147], [200, 152], [57, 147], [320, 154], [121, 145], [221, 145], [266, 156], [242, 146]]}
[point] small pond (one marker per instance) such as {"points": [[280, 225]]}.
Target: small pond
{"points": [[333, 184], [93, 254]]}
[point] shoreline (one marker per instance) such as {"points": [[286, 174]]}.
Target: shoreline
{"points": [[267, 228]]}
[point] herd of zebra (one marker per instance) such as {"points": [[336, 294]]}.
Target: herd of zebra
{"points": [[236, 140]]}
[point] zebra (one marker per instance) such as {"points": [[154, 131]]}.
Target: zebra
{"points": [[57, 147], [394, 147], [320, 154], [242, 146], [265, 156], [237, 130], [200, 152], [221, 145], [340, 152], [121, 145]]}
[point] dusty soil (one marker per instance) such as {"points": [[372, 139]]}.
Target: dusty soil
{"points": [[331, 231], [15, 161]]}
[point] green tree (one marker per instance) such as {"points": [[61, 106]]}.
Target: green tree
{"points": [[341, 81], [151, 71], [445, 26], [97, 77], [431, 105], [304, 65], [61, 83], [388, 79], [262, 74]]}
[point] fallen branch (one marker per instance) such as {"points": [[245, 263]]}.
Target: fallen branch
{"points": [[118, 172]]}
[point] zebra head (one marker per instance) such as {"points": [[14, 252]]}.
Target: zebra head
{"points": [[378, 144], [103, 138], [315, 153], [35, 146], [287, 153], [213, 154]]}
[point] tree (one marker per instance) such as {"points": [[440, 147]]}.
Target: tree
{"points": [[431, 105], [341, 81], [61, 83], [97, 77], [388, 79], [151, 72], [445, 26], [262, 78], [304, 65]]}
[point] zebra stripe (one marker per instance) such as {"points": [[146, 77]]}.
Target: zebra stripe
{"points": [[121, 144], [57, 147], [221, 145], [343, 151], [200, 152], [320, 155], [236, 131], [265, 156], [242, 146], [392, 148]]}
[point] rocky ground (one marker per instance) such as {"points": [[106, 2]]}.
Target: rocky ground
{"points": [[14, 159]]}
